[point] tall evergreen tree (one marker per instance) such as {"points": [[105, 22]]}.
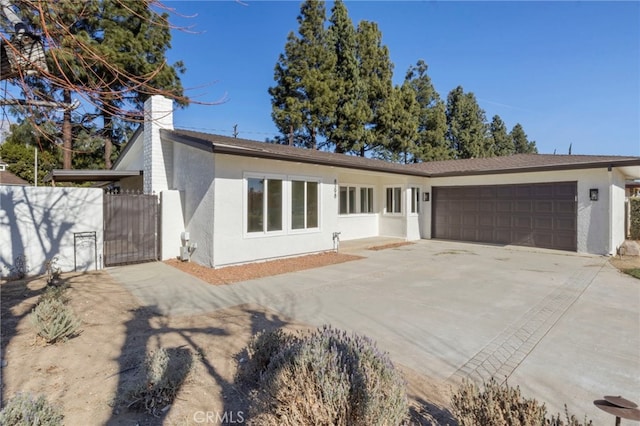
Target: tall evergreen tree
{"points": [[502, 141], [521, 143], [346, 128], [467, 128], [376, 70], [399, 126], [431, 143], [111, 53], [302, 100]]}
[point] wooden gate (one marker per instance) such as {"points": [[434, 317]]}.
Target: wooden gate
{"points": [[130, 228]]}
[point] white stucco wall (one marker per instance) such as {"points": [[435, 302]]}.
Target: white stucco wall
{"points": [[40, 223], [233, 245], [593, 233], [172, 224], [133, 157], [194, 179], [617, 210]]}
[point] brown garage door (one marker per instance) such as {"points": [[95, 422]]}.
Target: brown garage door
{"points": [[536, 215]]}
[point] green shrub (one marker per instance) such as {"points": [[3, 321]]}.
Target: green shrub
{"points": [[24, 409], [501, 405], [634, 211], [159, 380], [54, 321], [325, 377]]}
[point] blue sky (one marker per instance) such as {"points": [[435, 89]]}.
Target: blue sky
{"points": [[569, 72]]}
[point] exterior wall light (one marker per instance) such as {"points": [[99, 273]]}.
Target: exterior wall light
{"points": [[425, 196], [593, 194]]}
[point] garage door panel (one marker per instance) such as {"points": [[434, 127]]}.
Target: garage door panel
{"points": [[485, 221], [523, 192], [504, 205], [503, 221], [469, 234], [470, 206], [522, 222], [540, 215], [564, 224], [523, 206], [543, 206], [564, 191], [543, 223], [470, 219], [566, 207]]}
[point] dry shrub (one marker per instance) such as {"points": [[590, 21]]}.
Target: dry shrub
{"points": [[55, 292], [501, 405], [159, 380], [54, 321], [326, 377], [634, 212], [255, 358], [24, 409]]}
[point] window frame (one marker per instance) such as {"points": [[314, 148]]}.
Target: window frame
{"points": [[414, 200], [354, 204], [396, 190], [306, 180], [266, 178]]}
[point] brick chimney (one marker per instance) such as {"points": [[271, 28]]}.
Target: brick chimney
{"points": [[157, 155]]}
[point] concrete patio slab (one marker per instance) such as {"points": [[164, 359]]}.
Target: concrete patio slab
{"points": [[564, 327]]}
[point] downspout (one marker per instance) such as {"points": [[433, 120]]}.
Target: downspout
{"points": [[612, 249]]}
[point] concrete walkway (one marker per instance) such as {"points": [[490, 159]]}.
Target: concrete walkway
{"points": [[565, 327]]}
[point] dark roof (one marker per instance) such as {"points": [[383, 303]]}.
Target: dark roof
{"points": [[8, 178], [522, 163], [244, 147], [517, 163], [58, 175]]}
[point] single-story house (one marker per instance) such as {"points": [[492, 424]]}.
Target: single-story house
{"points": [[243, 201]]}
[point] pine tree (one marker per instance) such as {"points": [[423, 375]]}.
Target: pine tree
{"points": [[351, 111], [399, 126], [110, 53], [431, 143], [376, 70], [302, 99], [467, 128], [522, 145], [502, 141]]}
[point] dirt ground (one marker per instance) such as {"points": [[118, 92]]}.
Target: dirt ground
{"points": [[83, 375]]}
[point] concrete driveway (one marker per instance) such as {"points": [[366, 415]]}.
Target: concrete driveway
{"points": [[562, 326]]}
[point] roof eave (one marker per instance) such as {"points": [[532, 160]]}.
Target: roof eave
{"points": [[544, 168], [221, 148]]}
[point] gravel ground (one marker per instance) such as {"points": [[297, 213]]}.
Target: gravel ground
{"points": [[232, 274]]}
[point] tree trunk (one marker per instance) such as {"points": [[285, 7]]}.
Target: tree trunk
{"points": [[108, 132], [67, 143]]}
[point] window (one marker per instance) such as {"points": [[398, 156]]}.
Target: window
{"points": [[394, 200], [264, 200], [304, 204], [347, 199], [349, 202], [415, 200], [366, 200]]}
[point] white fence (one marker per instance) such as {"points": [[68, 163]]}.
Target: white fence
{"points": [[43, 223]]}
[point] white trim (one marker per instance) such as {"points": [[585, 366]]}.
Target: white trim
{"points": [[393, 200], [289, 203], [357, 211], [245, 191], [410, 199]]}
